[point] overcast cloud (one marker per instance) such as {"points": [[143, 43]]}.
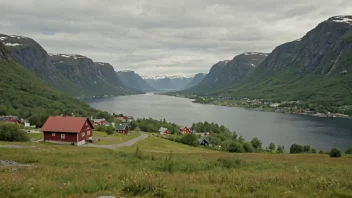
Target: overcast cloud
{"points": [[159, 37]]}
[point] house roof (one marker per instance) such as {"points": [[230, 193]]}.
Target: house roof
{"points": [[65, 124], [121, 126], [183, 127], [162, 129], [5, 118]]}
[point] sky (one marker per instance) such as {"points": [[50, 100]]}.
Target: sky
{"points": [[164, 37]]}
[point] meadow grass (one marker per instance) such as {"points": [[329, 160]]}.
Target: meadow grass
{"points": [[149, 169], [36, 136], [115, 138]]}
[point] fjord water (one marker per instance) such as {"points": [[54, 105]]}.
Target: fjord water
{"points": [[283, 129]]}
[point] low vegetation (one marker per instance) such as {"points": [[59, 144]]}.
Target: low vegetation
{"points": [[12, 132], [149, 169], [152, 125]]}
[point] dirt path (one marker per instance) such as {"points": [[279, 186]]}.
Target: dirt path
{"points": [[113, 146]]}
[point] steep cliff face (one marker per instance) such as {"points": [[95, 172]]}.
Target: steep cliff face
{"points": [[34, 58], [196, 80], [240, 66], [317, 67], [94, 78], [133, 80]]}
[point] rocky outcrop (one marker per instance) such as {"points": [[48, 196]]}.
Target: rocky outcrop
{"points": [[133, 80]]}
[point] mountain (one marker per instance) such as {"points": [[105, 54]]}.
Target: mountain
{"points": [[168, 82], [75, 75], [25, 95], [196, 80], [317, 67], [226, 72], [133, 80]]}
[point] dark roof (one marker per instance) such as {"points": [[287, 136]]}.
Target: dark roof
{"points": [[201, 139], [65, 124], [121, 126], [5, 118]]}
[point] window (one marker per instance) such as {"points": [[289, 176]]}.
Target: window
{"points": [[83, 134], [53, 134], [88, 132], [62, 136]]}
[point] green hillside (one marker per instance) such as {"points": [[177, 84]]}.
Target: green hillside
{"points": [[24, 95]]}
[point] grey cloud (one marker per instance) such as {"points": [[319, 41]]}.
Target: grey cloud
{"points": [[164, 37]]}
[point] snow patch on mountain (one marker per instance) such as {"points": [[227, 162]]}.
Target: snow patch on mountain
{"points": [[342, 19], [255, 53], [165, 77], [12, 44], [74, 56]]}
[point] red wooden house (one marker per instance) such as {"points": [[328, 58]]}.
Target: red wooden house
{"points": [[122, 128], [164, 131], [185, 130], [100, 121], [12, 119], [67, 130]]}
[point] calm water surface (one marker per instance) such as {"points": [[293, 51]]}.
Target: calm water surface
{"points": [[283, 129]]}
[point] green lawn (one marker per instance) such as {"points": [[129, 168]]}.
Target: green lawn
{"points": [[116, 138], [151, 171], [36, 136]]}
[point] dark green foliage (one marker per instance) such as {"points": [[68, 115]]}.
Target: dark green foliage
{"points": [[272, 146], [24, 95], [236, 147], [108, 129], [313, 151], [257, 144], [306, 148], [280, 149], [295, 148], [234, 135], [248, 147], [190, 139], [152, 125], [335, 152], [12, 132], [321, 152], [349, 150]]}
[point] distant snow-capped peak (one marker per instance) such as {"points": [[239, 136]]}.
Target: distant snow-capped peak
{"points": [[165, 77], [74, 56], [255, 53]]}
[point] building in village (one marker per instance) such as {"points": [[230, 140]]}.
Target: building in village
{"points": [[102, 121], [204, 141], [67, 130], [164, 131], [122, 128], [185, 130], [12, 119]]}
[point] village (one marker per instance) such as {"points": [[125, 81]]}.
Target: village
{"points": [[79, 131], [292, 107]]}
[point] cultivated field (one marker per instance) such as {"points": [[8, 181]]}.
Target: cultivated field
{"points": [[156, 167]]}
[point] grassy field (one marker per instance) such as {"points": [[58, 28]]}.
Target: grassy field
{"points": [[116, 138], [149, 169]]}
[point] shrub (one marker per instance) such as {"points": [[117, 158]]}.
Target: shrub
{"points": [[280, 149], [190, 139], [236, 147], [335, 152], [313, 151], [306, 148], [230, 163], [349, 150], [321, 152], [272, 146], [12, 132], [248, 147], [257, 144], [295, 148]]}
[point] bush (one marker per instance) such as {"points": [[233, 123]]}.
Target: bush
{"points": [[236, 147], [12, 132], [248, 147], [321, 152], [190, 139], [313, 151], [306, 148], [349, 151], [335, 152], [272, 146], [280, 149], [295, 148], [257, 144]]}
